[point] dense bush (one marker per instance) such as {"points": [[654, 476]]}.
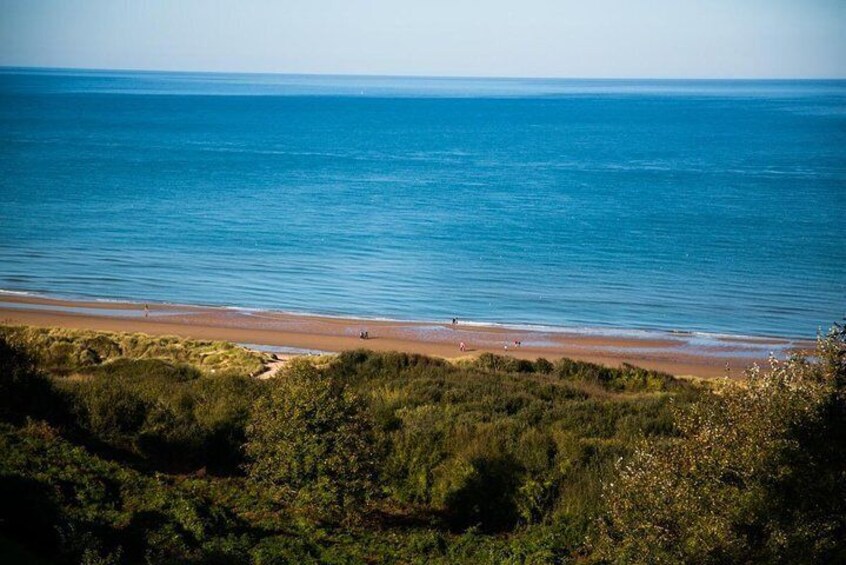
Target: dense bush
{"points": [[310, 442], [168, 414], [64, 503], [172, 415], [496, 443], [482, 492], [758, 474]]}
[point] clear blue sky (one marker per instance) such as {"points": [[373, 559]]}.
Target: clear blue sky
{"points": [[555, 38]]}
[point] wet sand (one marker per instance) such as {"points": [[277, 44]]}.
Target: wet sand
{"points": [[680, 353]]}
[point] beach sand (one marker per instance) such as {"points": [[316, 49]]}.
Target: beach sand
{"points": [[676, 353]]}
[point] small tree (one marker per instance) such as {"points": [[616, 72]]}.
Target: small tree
{"points": [[758, 474], [311, 441]]}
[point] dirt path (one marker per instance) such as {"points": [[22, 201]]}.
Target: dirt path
{"points": [[272, 367]]}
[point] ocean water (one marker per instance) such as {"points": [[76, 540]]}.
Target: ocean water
{"points": [[713, 206]]}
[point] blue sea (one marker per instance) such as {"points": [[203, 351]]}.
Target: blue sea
{"points": [[713, 206]]}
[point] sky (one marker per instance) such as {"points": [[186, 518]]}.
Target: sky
{"points": [[520, 38]]}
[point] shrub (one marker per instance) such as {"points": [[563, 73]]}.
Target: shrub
{"points": [[416, 449], [170, 414], [363, 365], [756, 476], [70, 506], [544, 366], [113, 410], [482, 492], [494, 363], [310, 440]]}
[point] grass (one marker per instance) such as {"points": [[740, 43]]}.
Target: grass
{"points": [[65, 351]]}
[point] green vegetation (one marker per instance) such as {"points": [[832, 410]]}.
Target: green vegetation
{"points": [[61, 351], [311, 443], [127, 449], [757, 475]]}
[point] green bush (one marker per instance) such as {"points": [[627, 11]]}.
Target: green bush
{"points": [[67, 505], [757, 475], [171, 415], [113, 410], [447, 427], [482, 493], [311, 442]]}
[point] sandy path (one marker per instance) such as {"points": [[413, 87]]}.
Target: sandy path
{"points": [[272, 368]]}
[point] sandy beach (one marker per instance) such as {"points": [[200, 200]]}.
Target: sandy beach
{"points": [[677, 353]]}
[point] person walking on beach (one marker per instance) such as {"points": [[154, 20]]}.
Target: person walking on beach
{"points": [[454, 322], [462, 347], [146, 310]]}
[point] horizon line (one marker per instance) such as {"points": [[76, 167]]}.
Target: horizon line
{"points": [[409, 76]]}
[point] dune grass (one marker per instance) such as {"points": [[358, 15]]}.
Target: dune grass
{"points": [[60, 350]]}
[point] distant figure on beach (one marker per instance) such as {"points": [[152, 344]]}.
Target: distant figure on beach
{"points": [[517, 343], [462, 346], [363, 334], [454, 322], [506, 347], [146, 310]]}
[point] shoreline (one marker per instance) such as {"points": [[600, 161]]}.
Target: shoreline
{"points": [[680, 353], [13, 297]]}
